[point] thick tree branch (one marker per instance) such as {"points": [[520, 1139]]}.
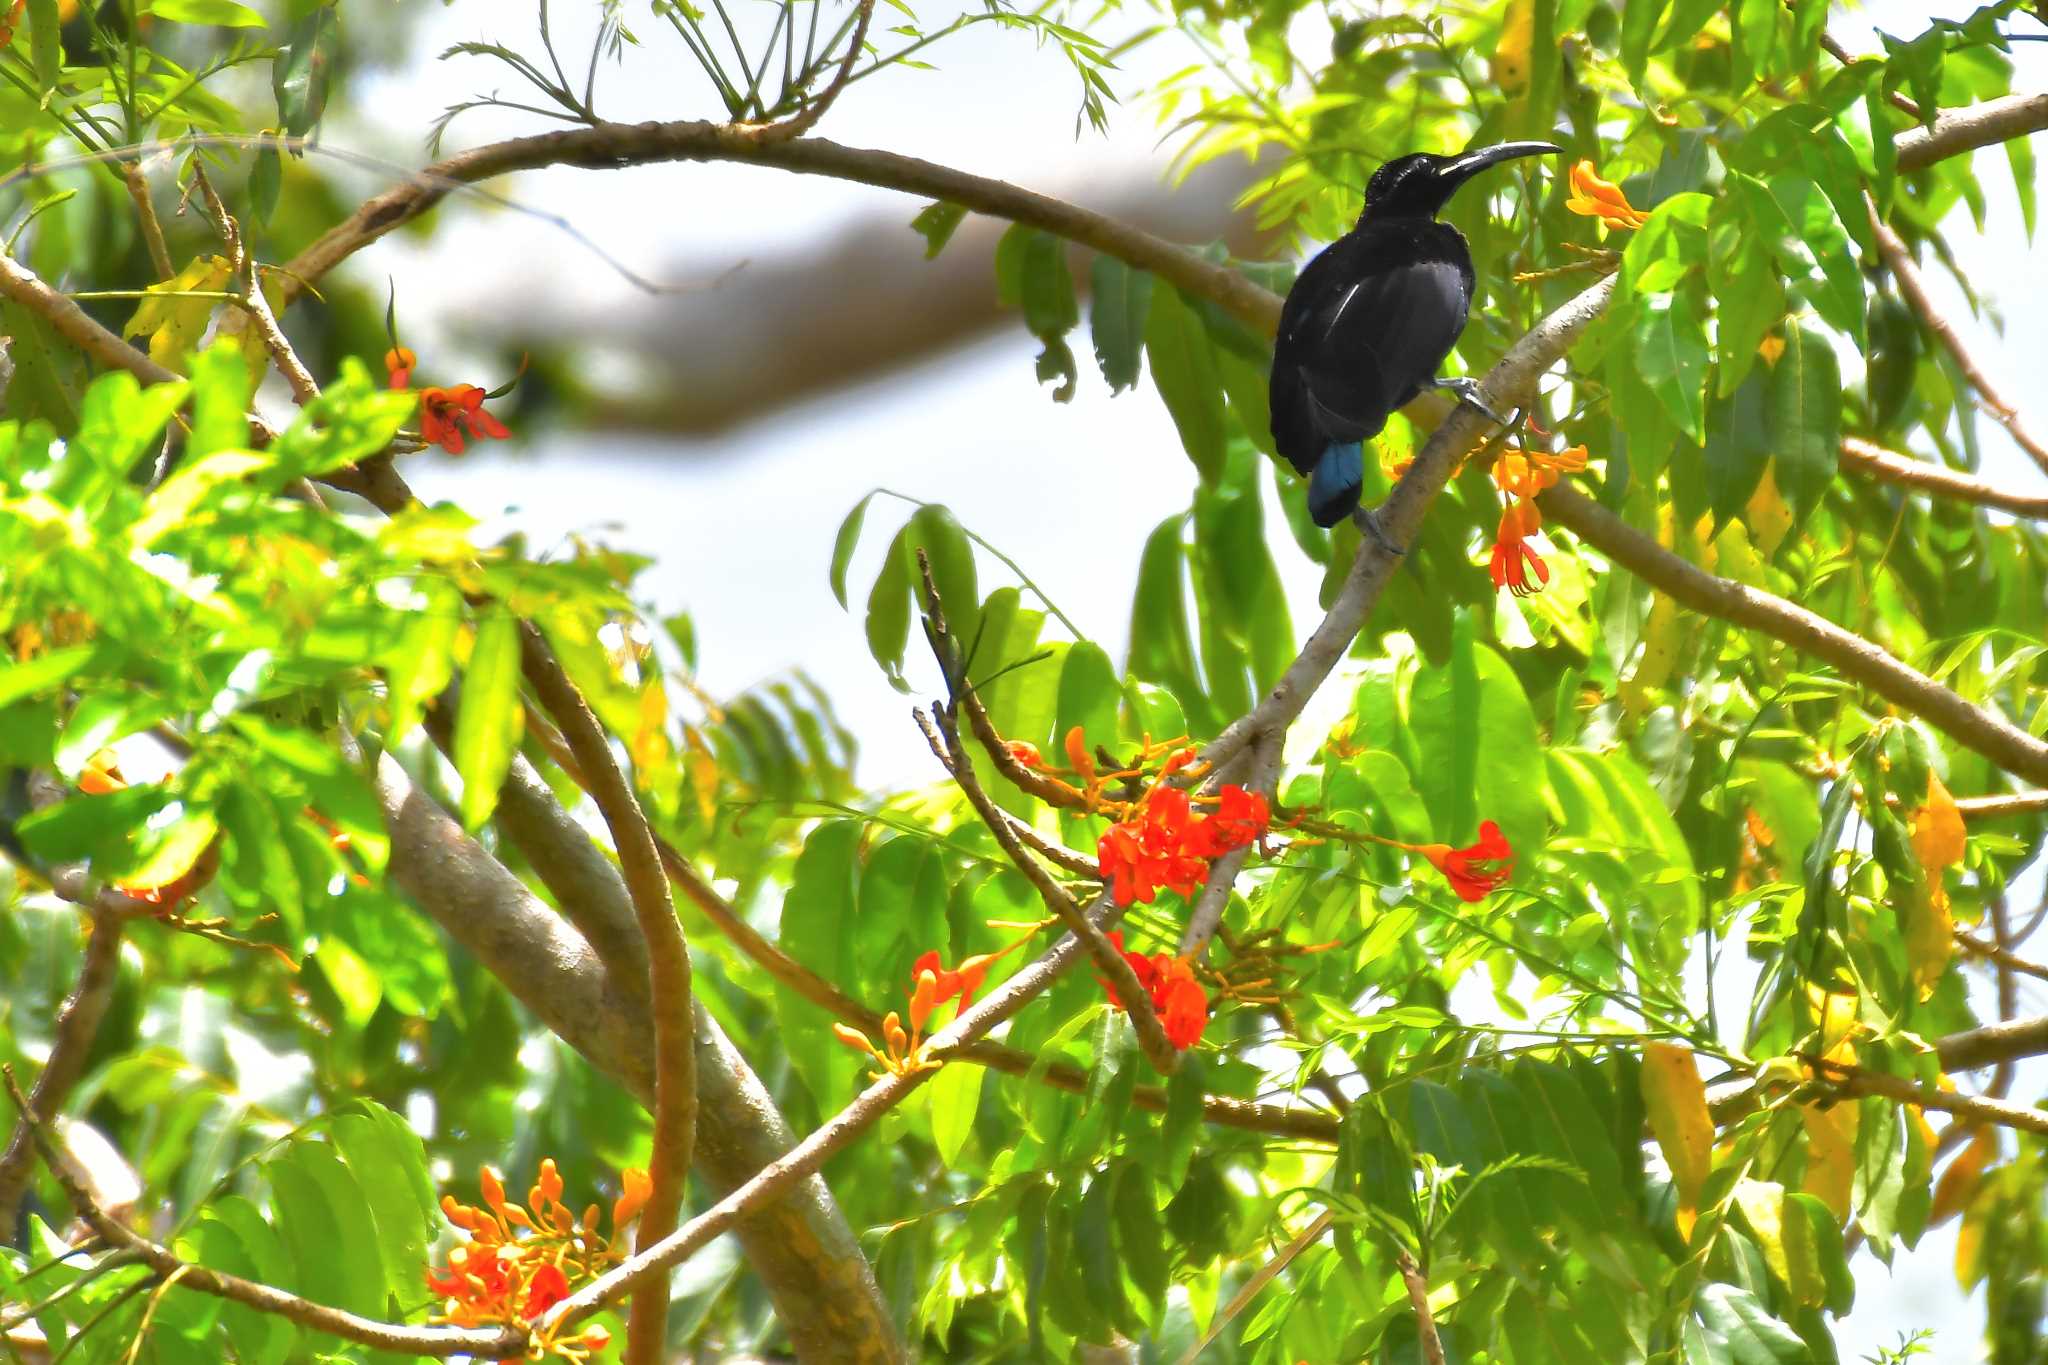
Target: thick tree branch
{"points": [[1924, 476], [71, 322], [77, 1025], [1857, 659], [614, 145], [2003, 958], [1899, 261], [668, 977], [487, 1343], [1992, 1044], [1962, 130], [822, 1287]]}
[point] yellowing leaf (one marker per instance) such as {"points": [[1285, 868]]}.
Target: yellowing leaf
{"points": [[1659, 657], [1830, 1155], [1938, 833], [702, 766], [1511, 54], [1768, 516], [1838, 1024], [1960, 1180], [1677, 1103], [172, 321], [1770, 348], [650, 746], [1763, 1208]]}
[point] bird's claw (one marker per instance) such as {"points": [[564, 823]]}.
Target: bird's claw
{"points": [[1369, 522], [1468, 392]]}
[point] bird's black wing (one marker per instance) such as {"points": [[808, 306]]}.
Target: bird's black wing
{"points": [[1364, 327]]}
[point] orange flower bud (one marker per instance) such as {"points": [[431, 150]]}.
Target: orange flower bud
{"points": [[1077, 753], [549, 1187], [595, 1339], [1025, 753], [636, 1186], [493, 1186], [923, 1000]]}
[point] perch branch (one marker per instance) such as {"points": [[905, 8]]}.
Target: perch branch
{"points": [[1956, 131], [1856, 1080], [1925, 476]]}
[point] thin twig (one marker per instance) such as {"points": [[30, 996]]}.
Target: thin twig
{"points": [[1992, 1044], [1418, 1298], [1848, 58], [1900, 262], [807, 118], [2000, 957], [487, 1343], [145, 209], [1259, 1279], [76, 1029], [668, 978]]}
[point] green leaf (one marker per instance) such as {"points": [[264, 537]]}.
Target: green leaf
{"points": [[888, 619], [351, 420], [299, 73], [491, 721], [1669, 246], [1730, 1326], [935, 223], [1672, 356], [1031, 274], [955, 1099], [421, 660], [934, 529], [220, 402], [843, 546], [46, 51], [388, 1162], [223, 12], [1480, 755], [1162, 641], [231, 1235], [1892, 361], [1119, 307], [1141, 1239], [324, 1221], [1803, 417], [1738, 447], [1749, 299], [1800, 226], [1638, 27], [1184, 371], [43, 672]]}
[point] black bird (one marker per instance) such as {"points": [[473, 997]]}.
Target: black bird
{"points": [[1370, 320]]}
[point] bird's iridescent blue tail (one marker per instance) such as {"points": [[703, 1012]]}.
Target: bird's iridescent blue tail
{"points": [[1335, 483]]}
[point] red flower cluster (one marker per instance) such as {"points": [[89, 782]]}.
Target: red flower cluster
{"points": [[1167, 844], [518, 1262], [445, 414], [931, 985], [1474, 872], [1182, 1004]]}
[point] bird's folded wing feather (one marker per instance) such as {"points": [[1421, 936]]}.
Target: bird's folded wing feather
{"points": [[1368, 349]]}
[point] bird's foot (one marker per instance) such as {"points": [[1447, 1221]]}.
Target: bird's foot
{"points": [[1369, 522], [1468, 392]]}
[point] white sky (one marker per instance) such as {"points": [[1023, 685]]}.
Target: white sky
{"points": [[742, 524]]}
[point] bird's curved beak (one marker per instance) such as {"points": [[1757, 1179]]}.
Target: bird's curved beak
{"points": [[1473, 162]]}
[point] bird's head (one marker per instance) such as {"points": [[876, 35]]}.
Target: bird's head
{"points": [[1419, 184]]}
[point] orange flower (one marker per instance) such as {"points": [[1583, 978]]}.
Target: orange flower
{"points": [[398, 363], [548, 1287], [1182, 1004], [634, 1186], [1596, 198], [1512, 556], [102, 774], [1526, 473], [1025, 754], [444, 413], [1476, 871], [1241, 817], [10, 21]]}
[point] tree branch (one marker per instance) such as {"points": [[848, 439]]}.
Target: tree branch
{"points": [[1992, 1044], [613, 145], [1856, 1080], [1900, 262], [1925, 476], [487, 1343], [2002, 957], [1857, 659], [1962, 130], [77, 1025], [668, 977], [69, 321], [1418, 1299]]}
